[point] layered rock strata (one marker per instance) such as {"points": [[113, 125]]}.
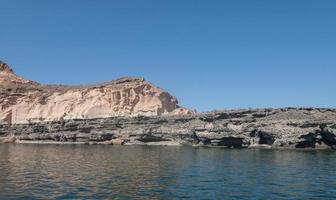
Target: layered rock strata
{"points": [[24, 101], [133, 111], [269, 128]]}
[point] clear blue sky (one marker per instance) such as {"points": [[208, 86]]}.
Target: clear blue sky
{"points": [[208, 53]]}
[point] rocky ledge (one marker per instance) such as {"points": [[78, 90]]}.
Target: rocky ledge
{"points": [[268, 128]]}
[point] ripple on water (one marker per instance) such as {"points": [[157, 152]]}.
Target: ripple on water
{"points": [[30, 171]]}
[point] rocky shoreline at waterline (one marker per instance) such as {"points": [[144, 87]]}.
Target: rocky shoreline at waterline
{"points": [[133, 111], [292, 128]]}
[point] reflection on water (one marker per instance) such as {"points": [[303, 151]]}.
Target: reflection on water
{"points": [[33, 171]]}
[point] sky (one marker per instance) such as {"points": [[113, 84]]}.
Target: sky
{"points": [[210, 54]]}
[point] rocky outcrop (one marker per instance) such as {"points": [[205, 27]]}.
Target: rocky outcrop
{"points": [[133, 111], [5, 68], [267, 128], [23, 101]]}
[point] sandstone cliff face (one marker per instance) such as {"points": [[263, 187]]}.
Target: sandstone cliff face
{"points": [[24, 101], [133, 111]]}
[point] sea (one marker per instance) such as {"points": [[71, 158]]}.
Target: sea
{"points": [[70, 171]]}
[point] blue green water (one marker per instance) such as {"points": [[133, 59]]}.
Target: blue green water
{"points": [[31, 171]]}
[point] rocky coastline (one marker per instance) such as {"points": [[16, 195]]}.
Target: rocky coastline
{"points": [[289, 128], [132, 111]]}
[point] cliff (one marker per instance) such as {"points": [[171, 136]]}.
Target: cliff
{"points": [[133, 111], [267, 128], [25, 101]]}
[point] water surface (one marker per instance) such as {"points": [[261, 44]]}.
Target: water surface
{"points": [[36, 171]]}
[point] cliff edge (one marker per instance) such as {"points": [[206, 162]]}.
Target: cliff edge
{"points": [[24, 101]]}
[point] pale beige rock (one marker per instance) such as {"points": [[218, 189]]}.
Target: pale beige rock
{"points": [[117, 142], [24, 101], [7, 75], [9, 139]]}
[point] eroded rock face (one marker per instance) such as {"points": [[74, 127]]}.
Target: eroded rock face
{"points": [[24, 101], [5, 68], [133, 111], [266, 128]]}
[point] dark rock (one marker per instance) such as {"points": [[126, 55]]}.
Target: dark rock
{"points": [[328, 137], [228, 142], [309, 141], [265, 138], [300, 128], [151, 138]]}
